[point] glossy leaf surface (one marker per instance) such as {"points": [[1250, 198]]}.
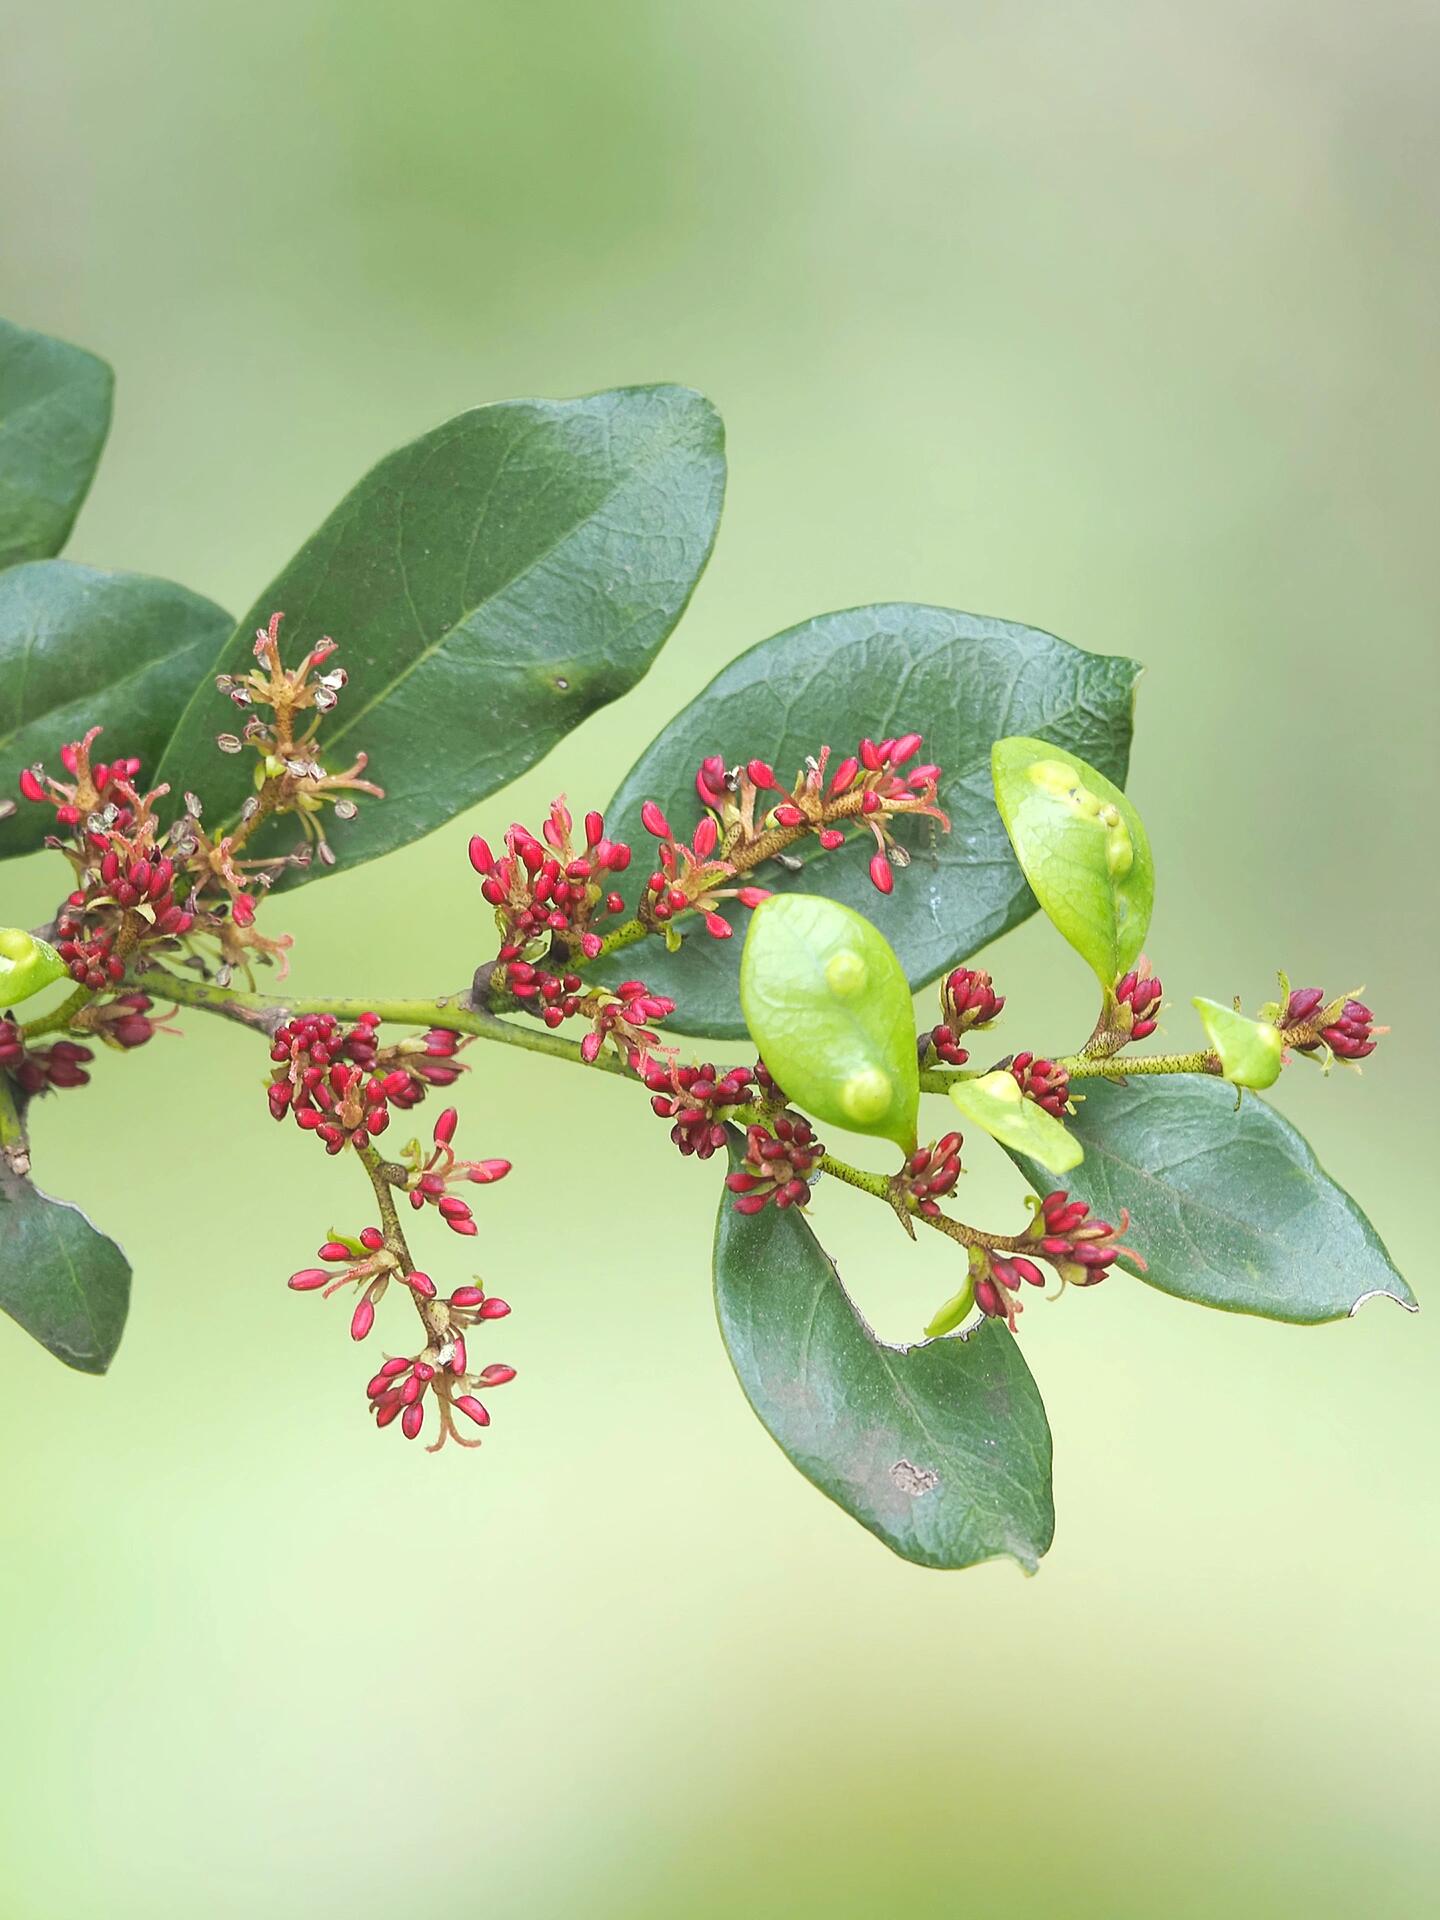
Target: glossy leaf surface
{"points": [[80, 647], [489, 585], [1228, 1208], [54, 415], [959, 679], [940, 1449]]}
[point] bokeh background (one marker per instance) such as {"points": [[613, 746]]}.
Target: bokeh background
{"points": [[1119, 320]]}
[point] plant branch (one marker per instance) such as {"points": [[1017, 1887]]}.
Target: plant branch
{"points": [[263, 1013], [59, 1018], [382, 1178]]}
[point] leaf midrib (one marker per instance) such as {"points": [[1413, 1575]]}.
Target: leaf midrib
{"points": [[653, 454]]}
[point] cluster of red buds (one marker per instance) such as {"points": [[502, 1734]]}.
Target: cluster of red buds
{"points": [[1045, 1082], [1079, 1249], [35, 1069], [430, 1181], [340, 1084], [868, 787], [692, 877], [397, 1391], [1345, 1025], [697, 1100], [366, 1262], [620, 1018], [91, 788], [968, 1000], [777, 1165], [930, 1173], [550, 890], [124, 1022], [1139, 993], [137, 885]]}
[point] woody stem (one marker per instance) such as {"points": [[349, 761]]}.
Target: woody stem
{"points": [[382, 1179]]}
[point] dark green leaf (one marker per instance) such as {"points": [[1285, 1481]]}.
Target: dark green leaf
{"points": [[60, 1278], [1228, 1208], [82, 648], [960, 680], [54, 415], [489, 585], [942, 1449]]}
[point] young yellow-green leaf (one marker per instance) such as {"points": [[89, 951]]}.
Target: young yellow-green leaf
{"points": [[1249, 1050], [940, 1449], [27, 966], [61, 1279], [828, 1007], [54, 415], [961, 680], [954, 1312], [1082, 847], [994, 1101], [1228, 1207], [80, 647], [489, 586]]}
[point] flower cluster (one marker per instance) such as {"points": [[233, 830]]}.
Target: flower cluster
{"points": [[549, 890], [1045, 1082], [443, 1366], [1080, 1250], [1137, 1000], [430, 1180], [397, 1391], [340, 1083], [290, 778], [777, 1165], [697, 1100], [691, 877], [930, 1173], [91, 788], [968, 1001], [869, 788], [35, 1069], [139, 886], [125, 1021], [1345, 1025]]}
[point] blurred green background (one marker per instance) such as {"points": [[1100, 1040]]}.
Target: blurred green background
{"points": [[1118, 320]]}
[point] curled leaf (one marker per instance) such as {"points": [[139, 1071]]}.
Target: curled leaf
{"points": [[994, 1101], [1082, 847], [828, 1006]]}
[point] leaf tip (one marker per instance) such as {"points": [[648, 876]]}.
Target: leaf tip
{"points": [[1406, 1300]]}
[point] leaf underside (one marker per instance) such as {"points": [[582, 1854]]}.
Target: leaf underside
{"points": [[61, 1279]]}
